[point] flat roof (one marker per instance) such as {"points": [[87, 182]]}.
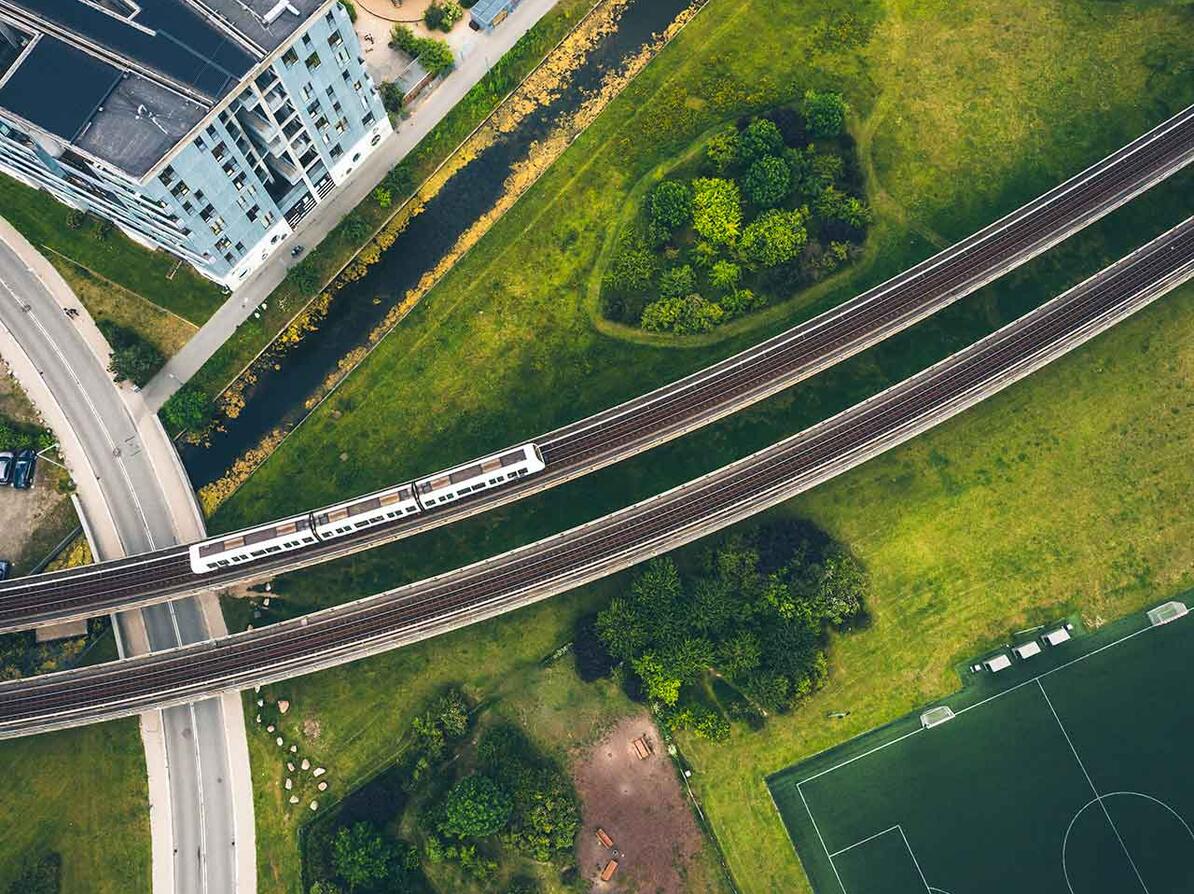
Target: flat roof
{"points": [[163, 65], [1056, 637], [998, 663], [1027, 650]]}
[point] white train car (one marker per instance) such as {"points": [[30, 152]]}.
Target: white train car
{"points": [[363, 512], [493, 471], [251, 544]]}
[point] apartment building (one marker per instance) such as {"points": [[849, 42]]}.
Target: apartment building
{"points": [[207, 128]]}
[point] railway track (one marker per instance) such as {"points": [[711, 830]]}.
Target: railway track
{"points": [[689, 403], [558, 563]]}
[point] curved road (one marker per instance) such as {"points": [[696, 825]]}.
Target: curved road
{"points": [[691, 402], [187, 744], [617, 541]]}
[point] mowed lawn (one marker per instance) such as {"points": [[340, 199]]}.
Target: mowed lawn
{"points": [[82, 794], [1066, 493]]}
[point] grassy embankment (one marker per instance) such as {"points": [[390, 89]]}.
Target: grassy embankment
{"points": [[339, 247], [80, 793], [151, 275], [954, 527]]}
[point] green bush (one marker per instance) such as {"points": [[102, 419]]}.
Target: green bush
{"points": [[768, 181], [723, 149], [716, 209], [392, 96], [475, 807], [671, 204], [759, 139], [773, 238], [688, 315], [824, 114], [677, 282], [435, 55], [133, 358], [441, 15], [187, 409]]}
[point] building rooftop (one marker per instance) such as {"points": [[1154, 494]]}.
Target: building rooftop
{"points": [[125, 80]]}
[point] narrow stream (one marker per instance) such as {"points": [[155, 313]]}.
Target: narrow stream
{"points": [[278, 397]]}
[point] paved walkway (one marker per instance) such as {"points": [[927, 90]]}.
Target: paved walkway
{"points": [[479, 56], [136, 497]]}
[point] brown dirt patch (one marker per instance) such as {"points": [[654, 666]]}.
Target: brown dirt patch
{"points": [[639, 803]]}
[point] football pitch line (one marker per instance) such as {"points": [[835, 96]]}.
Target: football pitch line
{"points": [[1037, 679], [1093, 790]]}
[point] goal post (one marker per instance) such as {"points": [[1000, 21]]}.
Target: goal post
{"points": [[936, 716], [1170, 611]]}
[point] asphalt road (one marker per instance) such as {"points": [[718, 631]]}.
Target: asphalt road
{"points": [[201, 803], [689, 403], [619, 540]]}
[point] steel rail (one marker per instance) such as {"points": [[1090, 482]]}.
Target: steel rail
{"points": [[561, 562], [689, 403]]}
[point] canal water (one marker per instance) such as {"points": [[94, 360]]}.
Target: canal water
{"points": [[277, 399]]}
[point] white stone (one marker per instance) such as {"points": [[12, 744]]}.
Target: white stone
{"points": [[323, 786], [289, 783], [265, 602], [256, 688], [294, 799], [314, 805], [279, 741], [270, 728], [258, 718], [318, 771], [261, 703], [294, 749], [283, 705], [306, 764], [290, 766]]}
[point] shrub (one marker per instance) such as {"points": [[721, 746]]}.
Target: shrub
{"points": [[833, 204], [363, 857], [671, 204], [759, 139], [441, 15], [685, 316], [824, 113], [383, 197], [716, 209], [725, 275], [768, 181], [391, 96], [773, 238], [677, 282], [75, 218], [305, 276], [355, 227], [435, 55], [723, 149], [475, 807], [187, 408], [133, 358], [631, 270]]}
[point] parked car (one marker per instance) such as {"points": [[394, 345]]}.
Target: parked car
{"points": [[23, 469], [5, 567], [6, 463]]}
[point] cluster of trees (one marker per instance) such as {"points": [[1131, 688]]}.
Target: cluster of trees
{"points": [[753, 616], [434, 54], [368, 861], [516, 796], [133, 358], [771, 206], [442, 15]]}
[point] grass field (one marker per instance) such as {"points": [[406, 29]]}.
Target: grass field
{"points": [[1072, 771], [80, 793], [151, 274], [506, 345], [1066, 494]]}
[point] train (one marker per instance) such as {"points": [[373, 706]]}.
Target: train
{"points": [[379, 508]]}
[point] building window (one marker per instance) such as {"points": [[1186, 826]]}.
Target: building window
{"points": [[337, 151], [290, 57], [312, 62], [331, 92], [308, 91], [223, 244], [240, 248], [334, 39], [367, 120], [167, 175], [199, 144], [330, 19], [342, 55], [268, 220], [180, 189]]}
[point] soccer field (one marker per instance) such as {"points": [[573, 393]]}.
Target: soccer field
{"points": [[1068, 772]]}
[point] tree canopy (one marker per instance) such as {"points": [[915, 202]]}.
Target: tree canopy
{"points": [[768, 181], [363, 857], [773, 238], [716, 209], [671, 204], [756, 613], [824, 113], [475, 807]]}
